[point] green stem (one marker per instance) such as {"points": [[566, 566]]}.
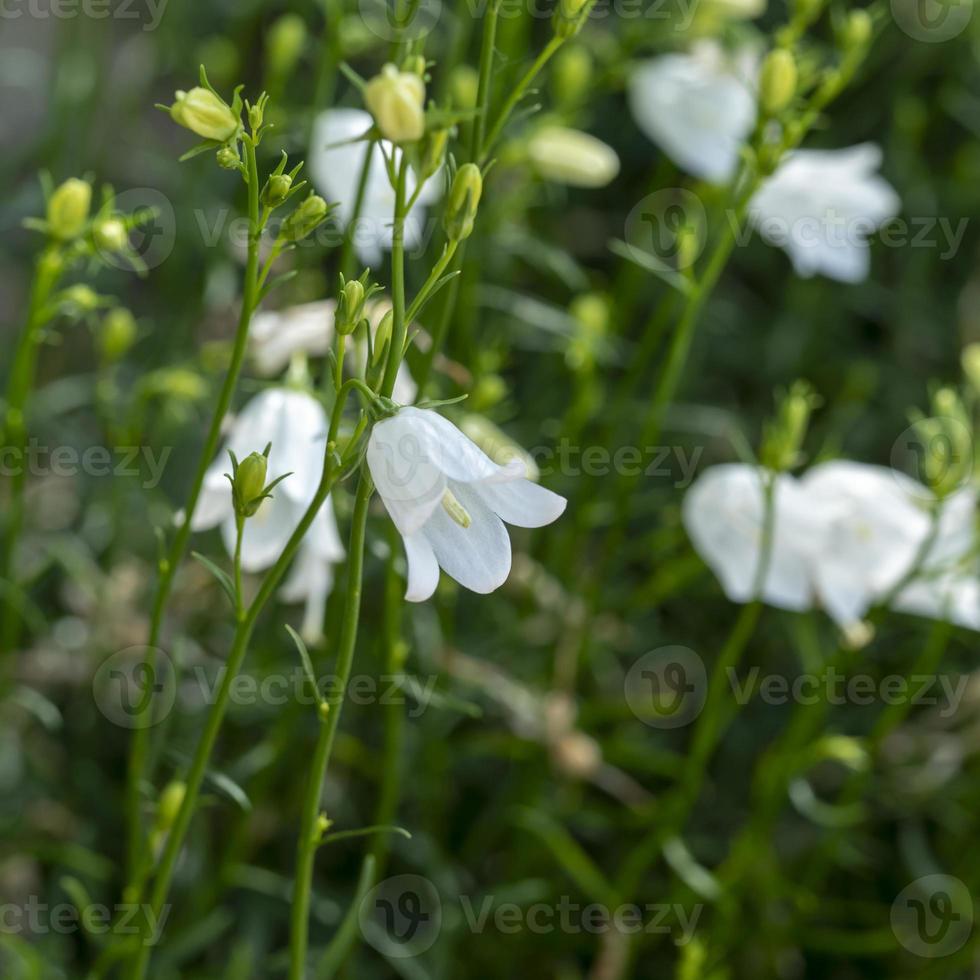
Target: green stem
{"points": [[487, 51], [308, 839], [139, 752]]}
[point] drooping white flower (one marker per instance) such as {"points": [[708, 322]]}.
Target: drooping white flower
{"points": [[948, 585], [872, 526], [820, 206], [336, 171], [296, 426], [449, 501], [723, 513], [697, 107]]}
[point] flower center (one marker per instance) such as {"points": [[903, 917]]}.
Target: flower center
{"points": [[455, 509]]}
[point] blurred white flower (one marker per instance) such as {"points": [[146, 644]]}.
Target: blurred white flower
{"points": [[296, 426], [449, 501], [723, 513], [820, 206], [336, 171], [948, 586], [698, 107], [569, 156], [872, 527], [276, 335]]}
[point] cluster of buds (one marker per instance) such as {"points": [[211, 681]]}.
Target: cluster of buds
{"points": [[946, 443], [248, 487], [352, 299], [782, 441]]}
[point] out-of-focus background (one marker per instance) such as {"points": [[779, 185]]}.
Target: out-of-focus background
{"points": [[526, 781]]}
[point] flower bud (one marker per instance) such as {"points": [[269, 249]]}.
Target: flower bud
{"points": [[228, 158], [285, 42], [275, 190], [248, 484], [433, 153], [396, 100], [350, 307], [118, 333], [204, 113], [571, 75], [68, 208], [305, 219], [169, 804], [784, 436], [110, 235], [82, 296], [568, 156], [569, 17], [463, 201], [415, 64], [464, 86], [382, 338], [946, 440], [857, 30], [777, 81], [970, 361]]}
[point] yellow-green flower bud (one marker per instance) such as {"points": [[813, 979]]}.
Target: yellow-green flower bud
{"points": [[284, 45], [248, 484], [857, 30], [571, 76], [970, 361], [570, 16], [305, 219], [947, 442], [276, 188], [169, 804], [433, 152], [382, 338], [464, 86], [118, 333], [777, 81], [82, 296], [396, 100], [350, 307], [110, 235], [463, 202], [227, 157], [415, 64], [569, 156], [68, 208], [202, 112]]}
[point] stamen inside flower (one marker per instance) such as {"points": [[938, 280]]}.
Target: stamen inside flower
{"points": [[455, 509]]}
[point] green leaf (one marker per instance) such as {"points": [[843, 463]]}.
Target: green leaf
{"points": [[224, 579], [230, 788], [304, 655], [650, 262], [366, 832], [198, 150]]}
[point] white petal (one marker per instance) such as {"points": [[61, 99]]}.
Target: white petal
{"points": [[478, 556], [275, 335], [521, 502], [214, 504], [266, 533], [423, 569]]}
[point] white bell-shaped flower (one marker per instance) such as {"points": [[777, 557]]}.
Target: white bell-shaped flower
{"points": [[948, 585], [449, 501], [699, 107], [820, 206], [336, 172], [276, 335], [873, 524], [724, 512], [295, 424]]}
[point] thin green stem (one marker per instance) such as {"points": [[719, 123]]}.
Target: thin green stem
{"points": [[487, 51]]}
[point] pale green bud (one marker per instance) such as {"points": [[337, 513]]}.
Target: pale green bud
{"points": [[68, 208], [382, 338], [350, 307], [285, 42], [276, 188], [396, 100], [570, 16], [202, 112], [947, 443], [970, 360], [857, 31], [82, 296], [305, 219], [110, 235], [227, 157], [463, 202], [464, 86], [569, 156], [169, 804], [784, 436], [118, 333], [777, 81], [571, 76], [415, 64], [248, 484], [433, 152]]}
